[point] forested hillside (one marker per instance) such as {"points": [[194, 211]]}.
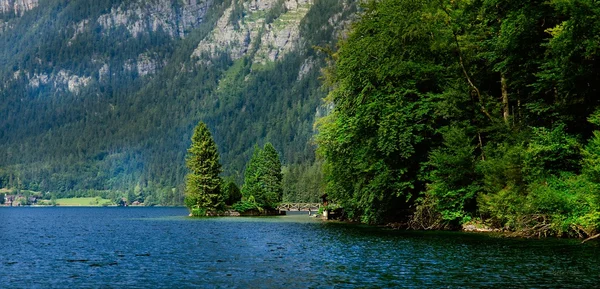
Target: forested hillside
{"points": [[468, 112], [101, 97]]}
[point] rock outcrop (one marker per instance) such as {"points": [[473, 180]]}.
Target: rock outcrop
{"points": [[176, 19], [268, 41], [62, 79], [146, 64], [17, 7]]}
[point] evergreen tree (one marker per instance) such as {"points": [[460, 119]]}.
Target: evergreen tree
{"points": [[203, 184], [252, 183], [272, 176], [262, 180], [231, 193]]}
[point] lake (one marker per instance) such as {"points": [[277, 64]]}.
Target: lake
{"points": [[162, 248]]}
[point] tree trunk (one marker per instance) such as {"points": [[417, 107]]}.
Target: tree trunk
{"points": [[505, 107], [591, 238]]}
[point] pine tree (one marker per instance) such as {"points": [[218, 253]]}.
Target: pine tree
{"points": [[203, 184], [272, 176], [262, 179], [252, 182], [231, 192]]}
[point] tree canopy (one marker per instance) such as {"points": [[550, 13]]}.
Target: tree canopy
{"points": [[446, 113], [263, 177], [203, 183]]}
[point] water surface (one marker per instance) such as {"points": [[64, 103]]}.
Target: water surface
{"points": [[161, 248]]}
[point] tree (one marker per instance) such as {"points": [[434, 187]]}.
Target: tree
{"points": [[387, 79], [2, 199], [262, 179], [252, 184], [203, 184], [130, 197], [452, 187], [231, 193], [272, 176]]}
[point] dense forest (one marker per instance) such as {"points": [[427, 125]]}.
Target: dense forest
{"points": [[468, 112], [436, 114], [126, 131]]}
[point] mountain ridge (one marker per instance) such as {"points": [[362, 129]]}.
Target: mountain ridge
{"points": [[96, 108]]}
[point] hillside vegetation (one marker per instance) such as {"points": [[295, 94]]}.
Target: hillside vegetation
{"points": [[104, 95], [454, 112]]}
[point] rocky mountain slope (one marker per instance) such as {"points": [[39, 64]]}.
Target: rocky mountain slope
{"points": [[17, 7], [103, 95]]}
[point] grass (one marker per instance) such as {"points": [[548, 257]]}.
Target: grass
{"points": [[78, 202]]}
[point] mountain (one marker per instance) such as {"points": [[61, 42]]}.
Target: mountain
{"points": [[103, 95]]}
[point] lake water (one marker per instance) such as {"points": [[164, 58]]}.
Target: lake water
{"points": [[161, 248]]}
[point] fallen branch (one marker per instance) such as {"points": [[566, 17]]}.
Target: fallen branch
{"points": [[591, 238]]}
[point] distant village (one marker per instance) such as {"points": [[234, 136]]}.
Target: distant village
{"points": [[17, 200]]}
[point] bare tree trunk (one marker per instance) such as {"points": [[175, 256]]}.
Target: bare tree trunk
{"points": [[505, 107], [462, 64], [591, 238]]}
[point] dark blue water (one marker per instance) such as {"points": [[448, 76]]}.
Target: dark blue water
{"points": [[160, 248]]}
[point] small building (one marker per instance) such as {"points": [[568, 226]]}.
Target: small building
{"points": [[9, 200]]}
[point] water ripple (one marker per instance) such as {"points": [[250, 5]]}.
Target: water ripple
{"points": [[160, 248]]}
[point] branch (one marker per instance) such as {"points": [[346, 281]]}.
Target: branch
{"points": [[462, 64], [591, 238]]}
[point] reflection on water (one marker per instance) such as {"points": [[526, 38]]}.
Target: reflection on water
{"points": [[161, 248]]}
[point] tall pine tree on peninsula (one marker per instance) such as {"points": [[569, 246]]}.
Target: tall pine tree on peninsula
{"points": [[203, 184]]}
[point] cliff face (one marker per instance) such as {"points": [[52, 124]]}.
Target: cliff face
{"points": [[142, 16], [61, 81], [263, 30], [115, 86], [17, 7], [268, 30]]}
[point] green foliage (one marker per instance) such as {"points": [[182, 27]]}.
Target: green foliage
{"points": [[560, 205], [551, 152], [262, 179], [125, 129], [303, 183], [453, 179], [569, 72], [231, 193], [591, 152], [271, 175], [198, 212], [460, 109], [203, 184], [385, 94], [252, 184], [247, 205]]}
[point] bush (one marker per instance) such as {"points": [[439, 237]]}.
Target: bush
{"points": [[198, 212], [565, 205], [246, 205], [551, 152], [454, 181]]}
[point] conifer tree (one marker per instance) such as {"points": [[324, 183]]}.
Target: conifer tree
{"points": [[262, 179], [231, 192], [252, 183], [203, 184], [272, 176]]}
